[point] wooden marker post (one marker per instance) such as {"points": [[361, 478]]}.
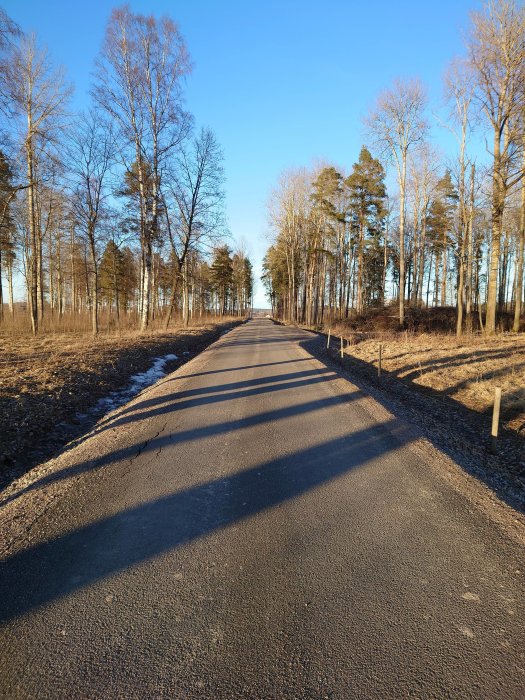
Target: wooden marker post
{"points": [[328, 341], [342, 347], [495, 421], [380, 358]]}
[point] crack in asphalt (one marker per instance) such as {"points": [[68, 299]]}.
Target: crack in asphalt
{"points": [[145, 445]]}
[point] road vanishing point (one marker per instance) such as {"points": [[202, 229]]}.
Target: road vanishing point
{"points": [[254, 526]]}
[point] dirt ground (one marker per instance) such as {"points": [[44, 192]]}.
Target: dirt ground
{"points": [[48, 383]]}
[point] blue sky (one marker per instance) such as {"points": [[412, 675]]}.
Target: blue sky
{"points": [[282, 84]]}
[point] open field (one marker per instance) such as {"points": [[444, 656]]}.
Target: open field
{"points": [[48, 383]]}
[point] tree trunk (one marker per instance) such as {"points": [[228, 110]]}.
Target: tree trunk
{"points": [[402, 185], [94, 276], [40, 268], [503, 274], [470, 243], [518, 296], [73, 274], [60, 285], [51, 278], [10, 287], [498, 204], [461, 276], [173, 298], [429, 277], [385, 265], [33, 272], [436, 278], [146, 290], [360, 265], [444, 272], [460, 299], [185, 296]]}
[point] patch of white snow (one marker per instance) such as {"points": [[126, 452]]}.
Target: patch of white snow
{"points": [[137, 383]]}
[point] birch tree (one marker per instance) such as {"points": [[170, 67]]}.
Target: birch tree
{"points": [[422, 180], [140, 73], [497, 56], [288, 209], [39, 95], [397, 124], [518, 291], [459, 89]]}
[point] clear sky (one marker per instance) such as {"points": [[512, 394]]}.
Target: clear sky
{"points": [[282, 84]]}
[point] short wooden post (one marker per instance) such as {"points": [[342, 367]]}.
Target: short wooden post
{"points": [[380, 358], [495, 421], [342, 347], [328, 341]]}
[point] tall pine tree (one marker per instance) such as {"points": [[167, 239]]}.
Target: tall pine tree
{"points": [[366, 187]]}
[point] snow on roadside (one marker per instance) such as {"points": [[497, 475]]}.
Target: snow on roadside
{"points": [[138, 382]]}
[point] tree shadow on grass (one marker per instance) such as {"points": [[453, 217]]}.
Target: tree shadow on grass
{"points": [[461, 433], [416, 369]]}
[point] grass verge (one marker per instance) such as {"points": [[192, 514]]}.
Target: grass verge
{"points": [[48, 383]]}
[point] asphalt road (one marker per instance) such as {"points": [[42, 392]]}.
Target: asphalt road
{"points": [[254, 527]]}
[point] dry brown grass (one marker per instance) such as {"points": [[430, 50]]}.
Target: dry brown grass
{"points": [[45, 381], [466, 369], [79, 323]]}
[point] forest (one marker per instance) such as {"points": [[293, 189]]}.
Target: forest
{"points": [[113, 217], [445, 232]]}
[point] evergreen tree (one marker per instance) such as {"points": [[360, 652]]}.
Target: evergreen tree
{"points": [[222, 277], [366, 187], [439, 225], [118, 277], [274, 279], [242, 286]]}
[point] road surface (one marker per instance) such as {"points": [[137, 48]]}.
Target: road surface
{"points": [[255, 527]]}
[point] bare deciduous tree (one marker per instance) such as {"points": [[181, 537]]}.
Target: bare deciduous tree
{"points": [[288, 210], [459, 87], [9, 33], [39, 94], [497, 56], [91, 153], [423, 179], [139, 84], [396, 124], [196, 192]]}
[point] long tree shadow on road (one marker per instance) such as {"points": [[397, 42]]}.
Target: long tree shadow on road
{"points": [[54, 569], [167, 404], [217, 393]]}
